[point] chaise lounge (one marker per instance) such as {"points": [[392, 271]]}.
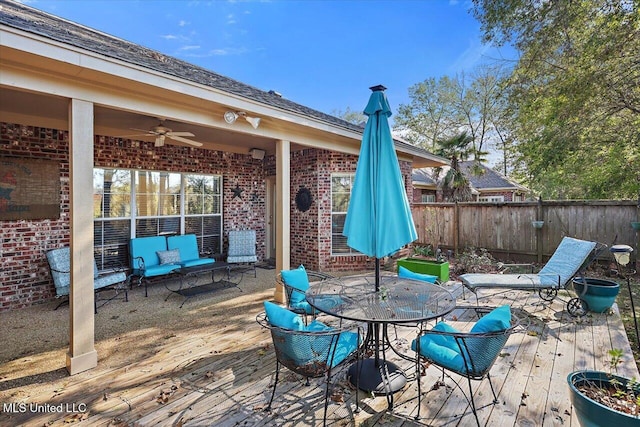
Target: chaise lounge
{"points": [[570, 258]]}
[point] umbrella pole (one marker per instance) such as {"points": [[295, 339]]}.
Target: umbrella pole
{"points": [[377, 274]]}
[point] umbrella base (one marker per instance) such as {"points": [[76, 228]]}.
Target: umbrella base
{"points": [[376, 379]]}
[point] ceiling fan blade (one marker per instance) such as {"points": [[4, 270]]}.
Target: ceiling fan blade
{"points": [[171, 134], [136, 135], [146, 131], [185, 140]]}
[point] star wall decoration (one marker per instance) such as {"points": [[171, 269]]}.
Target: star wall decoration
{"points": [[237, 192]]}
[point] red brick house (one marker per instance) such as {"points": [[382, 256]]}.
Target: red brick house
{"points": [[85, 126]]}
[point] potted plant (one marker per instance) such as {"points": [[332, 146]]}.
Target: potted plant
{"points": [[424, 260], [605, 399], [599, 294]]}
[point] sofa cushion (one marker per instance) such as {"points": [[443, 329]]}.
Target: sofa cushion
{"points": [[187, 244], [199, 261], [159, 270], [146, 248]]}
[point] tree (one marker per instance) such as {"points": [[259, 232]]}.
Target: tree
{"points": [[351, 116], [455, 185], [575, 93], [440, 109]]}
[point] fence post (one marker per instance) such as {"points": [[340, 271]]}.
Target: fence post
{"points": [[539, 217], [456, 228]]}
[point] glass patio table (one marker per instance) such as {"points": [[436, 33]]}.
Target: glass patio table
{"points": [[399, 301]]}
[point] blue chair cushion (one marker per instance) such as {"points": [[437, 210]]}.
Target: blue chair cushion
{"points": [[440, 340], [316, 326], [283, 318], [498, 319], [442, 350], [347, 342], [408, 274], [302, 305], [298, 279]]}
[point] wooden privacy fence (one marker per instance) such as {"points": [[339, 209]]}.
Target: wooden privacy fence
{"points": [[506, 229]]}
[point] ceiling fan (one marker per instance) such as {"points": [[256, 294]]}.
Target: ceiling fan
{"points": [[161, 132]]}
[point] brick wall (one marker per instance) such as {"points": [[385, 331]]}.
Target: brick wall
{"points": [[25, 277]]}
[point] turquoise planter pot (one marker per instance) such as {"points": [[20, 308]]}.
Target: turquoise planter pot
{"points": [[591, 413], [425, 266], [597, 293]]}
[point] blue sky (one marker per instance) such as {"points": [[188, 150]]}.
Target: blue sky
{"points": [[322, 54]]}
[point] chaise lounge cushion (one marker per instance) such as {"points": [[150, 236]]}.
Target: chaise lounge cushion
{"points": [[187, 245]]}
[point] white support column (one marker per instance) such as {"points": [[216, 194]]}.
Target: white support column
{"points": [[283, 212], [82, 354]]}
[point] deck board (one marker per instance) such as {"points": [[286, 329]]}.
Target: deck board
{"points": [[224, 377]]}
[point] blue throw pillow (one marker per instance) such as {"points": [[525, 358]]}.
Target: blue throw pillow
{"points": [[441, 340], [169, 257], [299, 280], [283, 318], [408, 274], [497, 319]]}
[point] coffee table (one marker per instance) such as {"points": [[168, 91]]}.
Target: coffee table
{"points": [[187, 285]]}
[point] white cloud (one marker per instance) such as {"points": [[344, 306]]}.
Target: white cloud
{"points": [[192, 47], [169, 37], [471, 57], [183, 23]]}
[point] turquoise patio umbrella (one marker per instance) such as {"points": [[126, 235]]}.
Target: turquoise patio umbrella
{"points": [[379, 220]]}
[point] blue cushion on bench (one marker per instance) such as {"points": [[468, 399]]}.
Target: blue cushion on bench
{"points": [[408, 274], [187, 244], [146, 248]]}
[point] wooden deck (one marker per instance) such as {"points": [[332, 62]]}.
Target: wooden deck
{"points": [[222, 376]]}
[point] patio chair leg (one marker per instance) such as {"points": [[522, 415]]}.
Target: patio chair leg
{"points": [[417, 417], [495, 397], [326, 398], [473, 403], [64, 301], [273, 392]]}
